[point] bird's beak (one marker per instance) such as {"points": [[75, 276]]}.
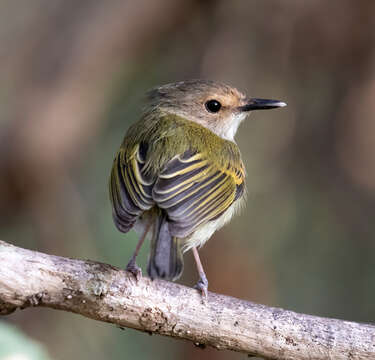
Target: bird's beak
{"points": [[261, 104]]}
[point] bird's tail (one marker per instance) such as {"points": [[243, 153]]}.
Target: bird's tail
{"points": [[166, 259]]}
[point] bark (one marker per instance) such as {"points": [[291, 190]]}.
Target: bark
{"points": [[105, 293]]}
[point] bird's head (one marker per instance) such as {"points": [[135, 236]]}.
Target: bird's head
{"points": [[218, 107]]}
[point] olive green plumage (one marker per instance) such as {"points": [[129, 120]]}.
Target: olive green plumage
{"points": [[141, 182], [169, 134], [179, 173]]}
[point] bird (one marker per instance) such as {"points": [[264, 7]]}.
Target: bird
{"points": [[178, 175]]}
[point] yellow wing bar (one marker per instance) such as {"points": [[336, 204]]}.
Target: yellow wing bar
{"points": [[193, 191], [190, 188], [130, 189]]}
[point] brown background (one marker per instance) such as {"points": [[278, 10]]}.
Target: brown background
{"points": [[72, 78]]}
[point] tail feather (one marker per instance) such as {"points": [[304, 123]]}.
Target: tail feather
{"points": [[166, 259]]}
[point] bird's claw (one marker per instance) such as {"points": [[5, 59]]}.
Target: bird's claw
{"points": [[202, 286], [133, 268]]}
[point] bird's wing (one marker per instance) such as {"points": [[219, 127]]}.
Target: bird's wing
{"points": [[194, 190], [190, 188], [130, 187]]}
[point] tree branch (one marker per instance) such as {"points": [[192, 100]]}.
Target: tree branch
{"points": [[105, 293]]}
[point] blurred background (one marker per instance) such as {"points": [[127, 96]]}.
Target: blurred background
{"points": [[72, 79]]}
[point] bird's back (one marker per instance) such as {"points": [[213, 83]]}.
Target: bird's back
{"points": [[147, 172]]}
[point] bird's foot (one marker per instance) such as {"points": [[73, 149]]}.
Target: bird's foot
{"points": [[133, 268], [202, 285]]}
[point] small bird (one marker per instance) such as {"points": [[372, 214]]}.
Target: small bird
{"points": [[178, 174]]}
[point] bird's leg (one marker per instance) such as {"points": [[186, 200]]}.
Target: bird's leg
{"points": [[132, 265], [202, 284]]}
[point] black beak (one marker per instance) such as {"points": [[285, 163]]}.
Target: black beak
{"points": [[261, 104]]}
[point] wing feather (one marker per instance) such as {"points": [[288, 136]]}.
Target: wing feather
{"points": [[190, 188], [193, 190], [130, 189]]}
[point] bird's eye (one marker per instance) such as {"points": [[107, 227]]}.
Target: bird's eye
{"points": [[213, 106]]}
